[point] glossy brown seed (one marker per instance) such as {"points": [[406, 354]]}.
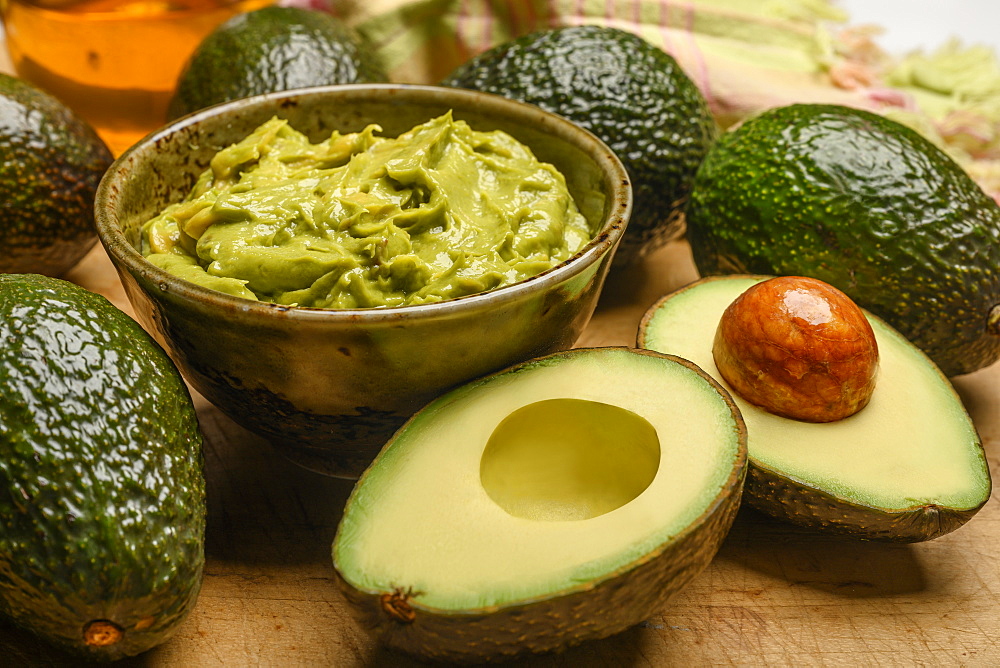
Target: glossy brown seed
{"points": [[799, 348]]}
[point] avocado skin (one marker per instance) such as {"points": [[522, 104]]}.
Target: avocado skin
{"points": [[273, 49], [52, 163], [102, 495], [783, 498], [626, 91], [867, 205]]}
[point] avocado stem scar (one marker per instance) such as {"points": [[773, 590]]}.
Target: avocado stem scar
{"points": [[101, 633], [993, 320], [395, 605]]}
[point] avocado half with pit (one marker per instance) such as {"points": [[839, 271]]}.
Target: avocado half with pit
{"points": [[560, 500], [909, 466]]}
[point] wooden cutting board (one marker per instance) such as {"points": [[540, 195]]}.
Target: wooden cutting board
{"points": [[774, 596]]}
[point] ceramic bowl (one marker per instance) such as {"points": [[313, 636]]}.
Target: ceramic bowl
{"points": [[329, 387]]}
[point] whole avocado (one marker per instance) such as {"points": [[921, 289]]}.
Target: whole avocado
{"points": [[867, 205], [629, 93], [273, 49], [51, 164], [102, 495]]}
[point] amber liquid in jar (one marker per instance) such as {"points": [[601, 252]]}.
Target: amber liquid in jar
{"points": [[114, 62]]}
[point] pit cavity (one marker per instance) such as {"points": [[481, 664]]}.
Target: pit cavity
{"points": [[569, 459]]}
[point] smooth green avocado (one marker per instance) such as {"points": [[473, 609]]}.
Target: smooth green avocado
{"points": [[867, 205], [907, 467], [273, 49], [630, 94], [102, 495], [564, 499], [51, 164]]}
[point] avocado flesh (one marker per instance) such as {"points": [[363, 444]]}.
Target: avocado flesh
{"points": [[543, 482], [102, 496], [909, 466]]}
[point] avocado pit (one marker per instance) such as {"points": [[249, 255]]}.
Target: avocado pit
{"points": [[799, 348]]}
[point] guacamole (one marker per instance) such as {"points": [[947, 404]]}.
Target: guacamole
{"points": [[362, 221]]}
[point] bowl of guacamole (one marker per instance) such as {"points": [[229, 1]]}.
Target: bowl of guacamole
{"points": [[320, 263]]}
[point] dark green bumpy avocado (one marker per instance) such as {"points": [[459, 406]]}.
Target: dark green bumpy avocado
{"points": [[50, 164], [867, 205], [102, 495], [273, 49], [629, 93]]}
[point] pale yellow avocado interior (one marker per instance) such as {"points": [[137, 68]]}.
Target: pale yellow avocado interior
{"points": [[533, 482], [913, 444], [569, 459]]}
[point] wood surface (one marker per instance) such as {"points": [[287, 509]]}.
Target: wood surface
{"points": [[774, 596]]}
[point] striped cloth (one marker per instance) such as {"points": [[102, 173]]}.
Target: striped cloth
{"points": [[745, 55]]}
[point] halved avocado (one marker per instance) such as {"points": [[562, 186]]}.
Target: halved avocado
{"points": [[907, 467], [560, 500]]}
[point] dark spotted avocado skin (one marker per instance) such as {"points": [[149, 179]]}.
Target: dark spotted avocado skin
{"points": [[867, 205], [102, 495], [626, 91], [273, 49], [50, 164]]}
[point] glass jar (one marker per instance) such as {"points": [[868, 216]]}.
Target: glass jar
{"points": [[114, 62]]}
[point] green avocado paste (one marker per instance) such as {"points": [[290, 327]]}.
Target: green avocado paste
{"points": [[363, 221]]}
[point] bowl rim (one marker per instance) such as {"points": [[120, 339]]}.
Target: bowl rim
{"points": [[603, 242]]}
